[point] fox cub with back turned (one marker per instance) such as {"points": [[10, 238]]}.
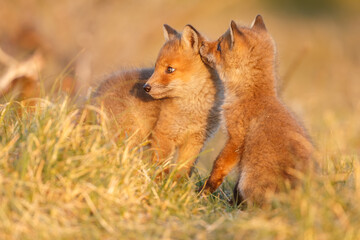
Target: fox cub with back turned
{"points": [[265, 141]]}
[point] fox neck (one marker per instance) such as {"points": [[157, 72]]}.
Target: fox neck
{"points": [[248, 90], [253, 82], [200, 94]]}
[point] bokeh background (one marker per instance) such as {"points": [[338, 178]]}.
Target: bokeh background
{"points": [[317, 41]]}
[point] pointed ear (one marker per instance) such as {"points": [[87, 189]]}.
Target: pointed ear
{"points": [[191, 37], [235, 33], [170, 33], [258, 23]]}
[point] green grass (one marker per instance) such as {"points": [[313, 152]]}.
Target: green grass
{"points": [[66, 180]]}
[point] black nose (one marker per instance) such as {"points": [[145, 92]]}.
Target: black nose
{"points": [[147, 87]]}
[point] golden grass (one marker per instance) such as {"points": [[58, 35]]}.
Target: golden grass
{"points": [[64, 180]]}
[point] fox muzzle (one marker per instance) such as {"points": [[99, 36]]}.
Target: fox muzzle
{"points": [[147, 87]]}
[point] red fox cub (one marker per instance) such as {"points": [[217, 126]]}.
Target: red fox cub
{"points": [[178, 102], [134, 112], [191, 95], [265, 141]]}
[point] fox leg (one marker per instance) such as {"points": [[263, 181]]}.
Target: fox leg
{"points": [[188, 154], [237, 196], [256, 188], [163, 147], [225, 162]]}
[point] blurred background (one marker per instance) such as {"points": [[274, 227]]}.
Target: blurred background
{"points": [[82, 41]]}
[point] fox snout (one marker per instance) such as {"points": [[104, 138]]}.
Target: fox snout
{"points": [[156, 88], [147, 87]]}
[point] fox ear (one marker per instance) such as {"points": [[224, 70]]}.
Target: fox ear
{"points": [[190, 37], [235, 33], [170, 33], [258, 23]]}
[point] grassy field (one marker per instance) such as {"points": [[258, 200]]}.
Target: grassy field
{"points": [[61, 180]]}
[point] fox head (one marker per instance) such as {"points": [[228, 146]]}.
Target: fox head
{"points": [[178, 64], [240, 50]]}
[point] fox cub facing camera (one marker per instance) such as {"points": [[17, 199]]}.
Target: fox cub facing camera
{"points": [[177, 103], [191, 94], [265, 141]]}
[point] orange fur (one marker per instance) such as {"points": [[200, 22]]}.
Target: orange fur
{"points": [[191, 98], [131, 110], [182, 109], [265, 141]]}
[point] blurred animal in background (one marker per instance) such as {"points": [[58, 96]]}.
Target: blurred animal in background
{"points": [[20, 79]]}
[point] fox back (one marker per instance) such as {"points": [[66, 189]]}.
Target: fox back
{"points": [[131, 111]]}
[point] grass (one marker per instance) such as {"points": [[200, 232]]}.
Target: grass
{"points": [[66, 180], [61, 180]]}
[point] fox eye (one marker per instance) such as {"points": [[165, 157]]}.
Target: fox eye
{"points": [[219, 47], [170, 70]]}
